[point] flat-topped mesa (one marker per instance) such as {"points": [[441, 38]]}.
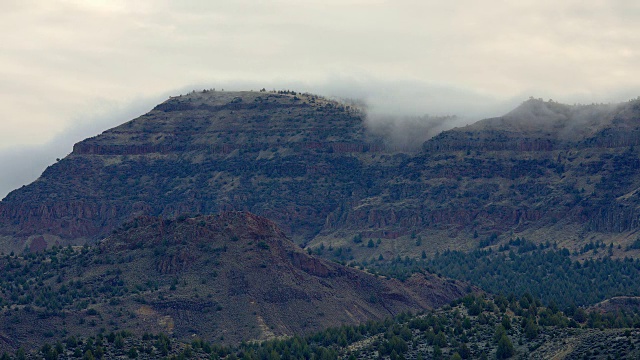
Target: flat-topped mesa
{"points": [[201, 153], [310, 165], [221, 122]]}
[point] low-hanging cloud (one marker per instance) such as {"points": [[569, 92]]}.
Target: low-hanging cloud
{"points": [[408, 133], [406, 113]]}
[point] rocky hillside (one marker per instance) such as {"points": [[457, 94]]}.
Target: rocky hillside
{"points": [[471, 328], [224, 278], [273, 154], [545, 171]]}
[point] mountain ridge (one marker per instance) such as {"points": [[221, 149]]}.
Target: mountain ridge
{"points": [[311, 165]]}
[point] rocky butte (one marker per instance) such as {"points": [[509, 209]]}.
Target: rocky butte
{"points": [[288, 157], [225, 278], [547, 171]]}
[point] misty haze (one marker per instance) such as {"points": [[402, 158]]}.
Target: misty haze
{"points": [[329, 180]]}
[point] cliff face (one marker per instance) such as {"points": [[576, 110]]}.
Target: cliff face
{"points": [[551, 159], [202, 153], [545, 170]]}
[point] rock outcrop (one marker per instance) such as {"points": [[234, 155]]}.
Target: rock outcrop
{"points": [[547, 171]]}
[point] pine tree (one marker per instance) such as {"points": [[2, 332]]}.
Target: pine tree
{"points": [[505, 348]]}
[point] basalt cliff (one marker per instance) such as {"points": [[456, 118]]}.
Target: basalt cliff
{"points": [[547, 171]]}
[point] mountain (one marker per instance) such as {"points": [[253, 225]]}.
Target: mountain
{"points": [[565, 174], [227, 277], [547, 172], [272, 154]]}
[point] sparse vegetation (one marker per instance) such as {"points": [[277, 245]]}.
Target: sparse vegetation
{"points": [[187, 275], [458, 331], [354, 196]]}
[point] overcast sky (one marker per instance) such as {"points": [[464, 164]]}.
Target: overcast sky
{"points": [[70, 69]]}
